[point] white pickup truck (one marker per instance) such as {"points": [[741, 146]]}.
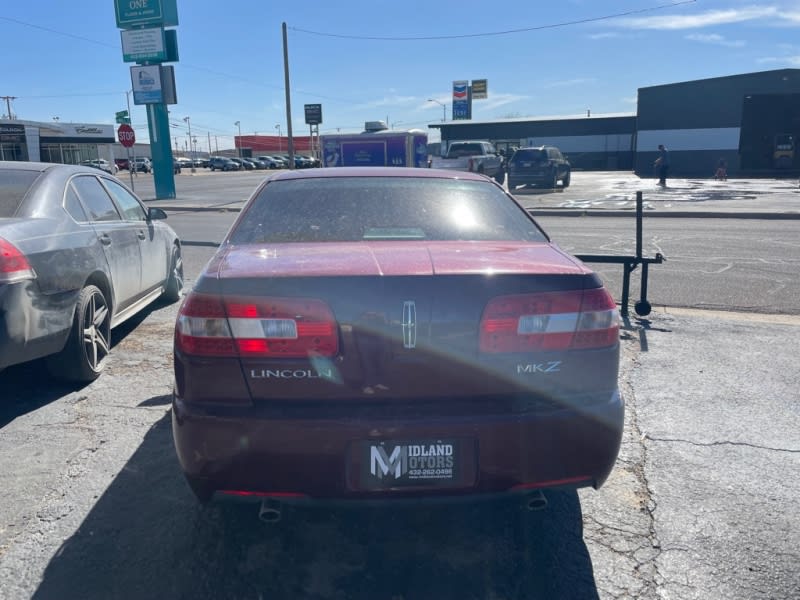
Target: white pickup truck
{"points": [[473, 156]]}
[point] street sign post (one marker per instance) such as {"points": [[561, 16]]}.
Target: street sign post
{"points": [[127, 138]]}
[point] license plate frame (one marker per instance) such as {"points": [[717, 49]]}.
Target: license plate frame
{"points": [[386, 465]]}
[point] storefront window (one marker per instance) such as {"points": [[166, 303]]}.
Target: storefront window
{"points": [[70, 154]]}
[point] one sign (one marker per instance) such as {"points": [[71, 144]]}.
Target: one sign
{"points": [[122, 117], [313, 114], [140, 13], [126, 136], [146, 84], [480, 89], [143, 45], [461, 100]]}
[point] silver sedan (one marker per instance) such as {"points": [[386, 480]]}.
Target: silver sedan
{"points": [[79, 254]]}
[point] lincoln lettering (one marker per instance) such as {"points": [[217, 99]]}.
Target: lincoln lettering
{"points": [[291, 373]]}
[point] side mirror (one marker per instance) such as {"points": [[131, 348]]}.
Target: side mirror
{"points": [[156, 214]]}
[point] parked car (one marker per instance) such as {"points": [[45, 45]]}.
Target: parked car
{"points": [[273, 162], [176, 166], [121, 163], [419, 322], [310, 161], [542, 166], [259, 164], [79, 254], [223, 164], [244, 165], [299, 163], [102, 164], [142, 164], [474, 157]]}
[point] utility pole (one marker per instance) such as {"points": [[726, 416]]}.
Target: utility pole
{"points": [[209, 144], [289, 140], [8, 100], [239, 125], [189, 123]]}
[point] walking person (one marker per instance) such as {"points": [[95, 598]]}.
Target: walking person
{"points": [[662, 165]]}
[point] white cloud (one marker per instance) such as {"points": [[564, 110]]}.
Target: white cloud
{"points": [[497, 100], [792, 61], [715, 38], [705, 19], [388, 101], [570, 82], [605, 35]]}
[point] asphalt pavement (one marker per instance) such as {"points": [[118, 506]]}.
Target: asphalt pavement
{"points": [[596, 193]]}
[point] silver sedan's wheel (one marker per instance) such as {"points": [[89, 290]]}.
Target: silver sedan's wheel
{"points": [[89, 343]]}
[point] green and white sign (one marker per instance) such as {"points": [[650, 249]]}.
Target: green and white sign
{"points": [[122, 117], [141, 13], [143, 45]]}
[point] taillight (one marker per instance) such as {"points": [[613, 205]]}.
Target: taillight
{"points": [[13, 264], [565, 320], [256, 327]]}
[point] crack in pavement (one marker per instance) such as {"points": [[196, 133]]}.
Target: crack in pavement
{"points": [[719, 443]]}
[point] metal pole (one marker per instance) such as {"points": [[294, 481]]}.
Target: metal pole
{"points": [[289, 140], [239, 125], [131, 165], [639, 206], [189, 123], [209, 144]]}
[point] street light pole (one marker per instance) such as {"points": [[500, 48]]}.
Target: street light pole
{"points": [[444, 108], [280, 145], [239, 125], [189, 123]]}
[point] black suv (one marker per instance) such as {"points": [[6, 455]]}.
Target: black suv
{"points": [[222, 163], [542, 166]]}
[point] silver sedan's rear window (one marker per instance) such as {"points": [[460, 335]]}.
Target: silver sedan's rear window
{"points": [[14, 184], [348, 209]]}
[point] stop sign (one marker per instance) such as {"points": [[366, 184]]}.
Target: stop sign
{"points": [[125, 135]]}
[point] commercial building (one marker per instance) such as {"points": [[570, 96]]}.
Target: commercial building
{"points": [[751, 121], [70, 143]]}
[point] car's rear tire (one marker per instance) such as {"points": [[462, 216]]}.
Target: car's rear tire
{"points": [[172, 291], [554, 180], [84, 355]]}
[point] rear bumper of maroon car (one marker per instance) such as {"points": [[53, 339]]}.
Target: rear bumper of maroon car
{"points": [[238, 450]]}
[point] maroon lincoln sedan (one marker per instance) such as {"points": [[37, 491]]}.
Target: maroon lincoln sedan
{"points": [[384, 333]]}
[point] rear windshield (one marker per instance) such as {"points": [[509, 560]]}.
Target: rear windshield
{"points": [[14, 184], [457, 151], [348, 209], [532, 155]]}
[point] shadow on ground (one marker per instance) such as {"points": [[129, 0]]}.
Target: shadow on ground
{"points": [[146, 538]]}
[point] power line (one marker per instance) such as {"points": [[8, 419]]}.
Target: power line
{"points": [[416, 38], [184, 65]]}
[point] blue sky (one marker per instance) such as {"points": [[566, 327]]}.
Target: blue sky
{"points": [[64, 59]]}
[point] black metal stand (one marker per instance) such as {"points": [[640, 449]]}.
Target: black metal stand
{"points": [[629, 264]]}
